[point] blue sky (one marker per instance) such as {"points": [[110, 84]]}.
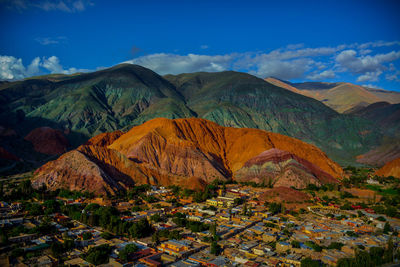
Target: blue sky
{"points": [[353, 41]]}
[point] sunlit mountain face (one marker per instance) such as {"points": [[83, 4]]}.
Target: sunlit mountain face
{"points": [[199, 133]]}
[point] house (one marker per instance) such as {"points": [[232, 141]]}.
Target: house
{"points": [[186, 263], [46, 261], [175, 247], [152, 260], [283, 246], [292, 259]]}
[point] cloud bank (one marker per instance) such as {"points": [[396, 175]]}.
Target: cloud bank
{"points": [[366, 63], [12, 68]]}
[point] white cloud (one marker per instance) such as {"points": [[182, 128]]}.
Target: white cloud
{"points": [[70, 6], [326, 74], [174, 64], [349, 60], [50, 40], [204, 47], [289, 69], [394, 74], [372, 76], [378, 44], [365, 51], [369, 85], [294, 46], [295, 61], [12, 68]]}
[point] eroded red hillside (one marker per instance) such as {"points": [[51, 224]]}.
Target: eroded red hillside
{"points": [[186, 152], [391, 168], [281, 168]]}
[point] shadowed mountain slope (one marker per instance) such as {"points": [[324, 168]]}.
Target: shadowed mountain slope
{"points": [[84, 105]]}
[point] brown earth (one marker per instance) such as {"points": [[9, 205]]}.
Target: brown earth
{"points": [[165, 152], [104, 139], [284, 194], [391, 168], [282, 84]]}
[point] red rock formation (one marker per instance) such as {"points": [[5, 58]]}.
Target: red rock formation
{"points": [[6, 132], [48, 141], [104, 139], [281, 168], [186, 152], [228, 147], [4, 154], [75, 171], [391, 168]]}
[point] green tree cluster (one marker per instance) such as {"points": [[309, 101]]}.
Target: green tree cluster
{"points": [[98, 255]]}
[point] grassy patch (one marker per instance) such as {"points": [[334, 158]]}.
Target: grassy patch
{"points": [[383, 191]]}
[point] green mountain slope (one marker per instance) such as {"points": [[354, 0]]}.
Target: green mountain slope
{"points": [[95, 102]]}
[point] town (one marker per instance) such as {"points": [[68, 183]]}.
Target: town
{"points": [[227, 224]]}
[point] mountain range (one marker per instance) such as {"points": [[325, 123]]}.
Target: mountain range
{"points": [[83, 105], [342, 97]]}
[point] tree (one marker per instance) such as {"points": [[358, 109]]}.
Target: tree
{"points": [[295, 244], [155, 238], [156, 218], [249, 211], [175, 234], [308, 262], [335, 245], [3, 237], [238, 201], [17, 252], [127, 251], [98, 255], [388, 254], [244, 211], [87, 235], [275, 208], [51, 206], [391, 211], [213, 230], [346, 262], [106, 235], [34, 209], [381, 218], [56, 249], [376, 254], [387, 228], [363, 258], [215, 248]]}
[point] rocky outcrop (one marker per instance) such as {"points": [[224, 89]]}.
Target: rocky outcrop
{"points": [[281, 168], [49, 141], [5, 154], [391, 168], [75, 171], [186, 152]]}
